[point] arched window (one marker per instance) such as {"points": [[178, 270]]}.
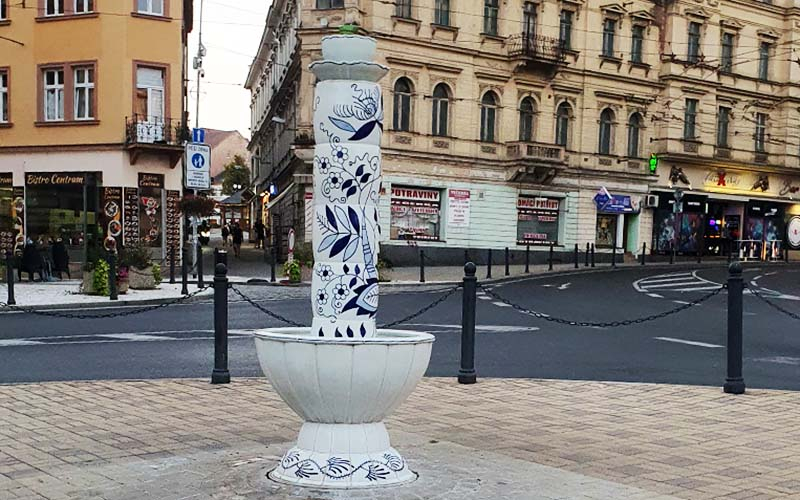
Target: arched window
{"points": [[402, 105], [606, 127], [441, 109], [634, 135], [488, 116], [526, 111], [563, 115]]}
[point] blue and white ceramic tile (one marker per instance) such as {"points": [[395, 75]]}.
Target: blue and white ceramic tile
{"points": [[348, 173], [343, 329], [345, 233], [344, 291], [348, 112]]}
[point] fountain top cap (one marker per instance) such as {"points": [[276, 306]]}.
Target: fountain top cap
{"points": [[348, 57], [348, 29]]}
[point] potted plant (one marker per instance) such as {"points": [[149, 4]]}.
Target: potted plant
{"points": [[292, 271], [384, 270], [122, 280], [304, 255], [95, 281], [197, 206], [136, 258]]}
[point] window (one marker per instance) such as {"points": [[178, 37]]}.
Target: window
{"points": [[761, 132], [54, 7], [563, 115], [4, 97], [763, 60], [441, 110], [635, 123], [442, 13], [84, 93], [723, 121], [83, 6], [537, 220], [726, 55], [402, 105], [152, 7], [609, 26], [690, 120], [490, 11], [529, 22], [565, 29], [3, 9], [403, 9], [526, 112], [53, 95], [330, 4], [693, 49], [637, 42], [488, 116], [150, 94], [606, 129]]}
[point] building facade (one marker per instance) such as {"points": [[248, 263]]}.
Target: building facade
{"points": [[563, 122], [92, 122]]}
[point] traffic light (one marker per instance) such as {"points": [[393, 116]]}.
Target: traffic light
{"points": [[653, 163]]}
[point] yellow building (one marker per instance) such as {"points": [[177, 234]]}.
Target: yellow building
{"points": [[91, 121]]}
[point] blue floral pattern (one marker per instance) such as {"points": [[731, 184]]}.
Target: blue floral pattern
{"points": [[341, 468]]}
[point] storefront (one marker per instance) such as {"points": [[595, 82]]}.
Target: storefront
{"points": [[680, 229], [537, 220], [415, 214], [614, 216]]}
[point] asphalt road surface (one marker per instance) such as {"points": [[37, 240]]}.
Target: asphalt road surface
{"points": [[684, 348]]}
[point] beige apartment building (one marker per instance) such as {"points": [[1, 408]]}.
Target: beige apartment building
{"points": [[513, 123]]}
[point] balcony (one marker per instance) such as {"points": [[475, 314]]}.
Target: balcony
{"points": [[536, 49], [534, 161], [155, 135]]}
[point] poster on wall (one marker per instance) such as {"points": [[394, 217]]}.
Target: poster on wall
{"points": [[793, 233], [18, 213], [458, 207], [130, 216], [537, 220], [173, 222], [414, 214], [151, 213], [111, 217], [6, 214], [605, 231]]}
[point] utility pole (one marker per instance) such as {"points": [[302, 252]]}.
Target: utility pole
{"points": [[198, 65]]}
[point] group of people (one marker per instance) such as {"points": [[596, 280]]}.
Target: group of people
{"points": [[233, 235], [45, 261]]}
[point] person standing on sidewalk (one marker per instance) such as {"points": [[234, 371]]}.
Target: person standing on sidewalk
{"points": [[226, 232], [238, 237], [259, 229]]}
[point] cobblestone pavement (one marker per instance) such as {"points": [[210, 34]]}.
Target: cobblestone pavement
{"points": [[520, 439]]}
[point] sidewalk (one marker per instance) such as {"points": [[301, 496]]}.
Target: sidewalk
{"points": [[500, 439]]}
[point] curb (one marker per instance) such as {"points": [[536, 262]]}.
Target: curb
{"points": [[102, 305]]}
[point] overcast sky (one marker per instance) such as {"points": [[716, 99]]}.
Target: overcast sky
{"points": [[231, 34]]}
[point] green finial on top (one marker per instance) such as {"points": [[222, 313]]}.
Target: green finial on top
{"points": [[348, 29]]}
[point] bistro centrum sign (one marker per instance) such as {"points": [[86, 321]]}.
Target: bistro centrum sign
{"points": [[56, 179]]}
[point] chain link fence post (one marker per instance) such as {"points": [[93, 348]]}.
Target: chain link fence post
{"points": [[644, 252], [184, 272], [614, 254], [527, 258], [508, 259], [586, 256], [421, 265], [592, 255], [489, 266], [10, 277], [273, 263], [200, 281], [111, 258], [734, 382], [221, 375], [575, 257], [466, 373], [671, 252], [172, 265], [550, 259]]}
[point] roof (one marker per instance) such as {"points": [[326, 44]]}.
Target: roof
{"points": [[214, 137], [242, 197]]}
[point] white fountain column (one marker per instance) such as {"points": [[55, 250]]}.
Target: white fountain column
{"points": [[348, 122]]}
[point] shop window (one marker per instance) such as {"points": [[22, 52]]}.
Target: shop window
{"points": [[491, 8], [403, 9], [690, 120], [723, 125], [609, 29], [563, 116], [330, 4], [763, 60], [415, 214], [606, 131], [54, 95], [54, 7], [489, 104], [537, 220], [761, 132], [151, 7], [565, 29], [402, 105], [526, 113], [726, 53], [441, 13], [637, 43], [635, 124], [440, 110], [4, 104], [606, 231], [84, 93], [693, 48], [83, 6]]}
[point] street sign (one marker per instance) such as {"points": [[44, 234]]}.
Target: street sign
{"points": [[198, 166], [199, 135]]}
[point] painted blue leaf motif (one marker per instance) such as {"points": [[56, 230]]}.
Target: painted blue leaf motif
{"points": [[360, 170], [364, 131], [331, 218], [353, 219], [305, 470], [393, 461], [353, 282], [327, 242], [363, 330], [346, 269], [341, 124], [337, 334], [321, 334], [340, 245], [346, 184], [351, 191], [351, 249], [377, 471], [339, 467], [365, 178], [350, 332], [341, 216], [357, 269]]}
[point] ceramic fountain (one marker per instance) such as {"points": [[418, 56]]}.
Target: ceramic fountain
{"points": [[343, 376]]}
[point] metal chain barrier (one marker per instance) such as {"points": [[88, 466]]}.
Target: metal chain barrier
{"points": [[265, 310], [131, 312], [425, 309], [772, 304], [607, 324]]}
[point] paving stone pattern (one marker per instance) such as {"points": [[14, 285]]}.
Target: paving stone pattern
{"points": [[520, 439]]}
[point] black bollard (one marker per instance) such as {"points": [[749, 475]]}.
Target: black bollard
{"points": [[10, 277], [700, 254], [550, 259], [466, 374], [592, 254], [586, 256], [614, 255], [786, 254], [171, 265], [221, 375], [220, 257], [200, 281], [671, 252], [507, 263], [489, 266], [421, 266], [466, 256], [184, 273], [576, 256], [644, 252], [527, 259], [111, 258], [273, 264], [734, 382]]}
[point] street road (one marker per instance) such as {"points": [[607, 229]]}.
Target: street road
{"points": [[686, 348]]}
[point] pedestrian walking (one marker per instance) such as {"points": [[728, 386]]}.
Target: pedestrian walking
{"points": [[238, 237], [260, 232], [226, 232]]}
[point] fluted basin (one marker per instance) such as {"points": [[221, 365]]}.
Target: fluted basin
{"points": [[343, 388]]}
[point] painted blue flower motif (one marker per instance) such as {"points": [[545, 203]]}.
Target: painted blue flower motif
{"points": [[325, 273], [322, 297], [366, 107], [323, 165], [339, 154], [335, 180], [340, 291]]}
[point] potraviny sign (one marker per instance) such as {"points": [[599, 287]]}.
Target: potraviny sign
{"points": [[198, 166]]}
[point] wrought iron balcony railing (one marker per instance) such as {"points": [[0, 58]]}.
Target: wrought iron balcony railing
{"points": [[536, 47], [535, 151], [143, 130]]}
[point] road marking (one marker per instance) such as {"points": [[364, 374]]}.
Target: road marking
{"points": [[500, 304], [688, 342], [564, 286], [671, 285], [135, 337], [674, 282], [480, 328], [781, 360], [655, 295], [698, 289], [17, 342]]}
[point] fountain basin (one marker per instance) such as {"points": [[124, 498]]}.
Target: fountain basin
{"points": [[343, 388]]}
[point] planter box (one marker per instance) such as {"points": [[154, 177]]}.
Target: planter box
{"points": [[122, 287], [88, 283], [305, 274], [141, 279]]}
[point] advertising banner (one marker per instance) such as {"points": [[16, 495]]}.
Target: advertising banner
{"points": [[130, 214], [110, 217], [458, 207]]}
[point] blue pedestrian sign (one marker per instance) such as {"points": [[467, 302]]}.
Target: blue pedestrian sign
{"points": [[198, 166], [198, 161], [199, 135]]}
